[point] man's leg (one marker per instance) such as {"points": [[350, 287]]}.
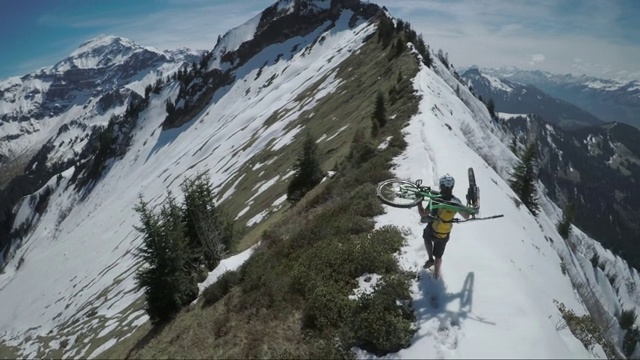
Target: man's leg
{"points": [[436, 268], [428, 244], [438, 251]]}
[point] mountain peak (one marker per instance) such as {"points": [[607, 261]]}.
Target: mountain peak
{"points": [[101, 42], [304, 6], [101, 51]]}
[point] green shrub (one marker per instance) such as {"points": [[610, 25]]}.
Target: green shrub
{"points": [[379, 324], [327, 307], [585, 329], [372, 172], [364, 202], [216, 291], [331, 224], [398, 142]]}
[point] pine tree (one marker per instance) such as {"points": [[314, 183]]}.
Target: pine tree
{"points": [[375, 128], [385, 31], [380, 112], [491, 106], [564, 226], [308, 173], [513, 146], [423, 50], [398, 48], [166, 277], [630, 341], [524, 177], [361, 150], [209, 231]]}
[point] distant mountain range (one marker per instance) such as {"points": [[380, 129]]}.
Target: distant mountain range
{"points": [[583, 160], [609, 100], [515, 98]]}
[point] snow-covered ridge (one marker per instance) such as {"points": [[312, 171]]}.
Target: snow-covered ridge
{"points": [[95, 236], [500, 277], [232, 39]]}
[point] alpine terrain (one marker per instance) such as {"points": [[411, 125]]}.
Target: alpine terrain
{"points": [[609, 100], [583, 161], [514, 98], [291, 119]]}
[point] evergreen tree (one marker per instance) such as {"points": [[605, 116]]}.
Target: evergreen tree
{"points": [[147, 91], [167, 276], [157, 87], [398, 48], [627, 319], [513, 146], [308, 173], [361, 149], [630, 341], [380, 112], [170, 107], [491, 106], [444, 57], [564, 226], [385, 31], [208, 230], [524, 177], [375, 128]]}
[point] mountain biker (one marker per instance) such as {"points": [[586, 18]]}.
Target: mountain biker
{"points": [[439, 223]]}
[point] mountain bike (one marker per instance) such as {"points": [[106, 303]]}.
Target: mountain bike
{"points": [[401, 193]]}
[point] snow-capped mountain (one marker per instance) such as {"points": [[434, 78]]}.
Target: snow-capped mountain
{"points": [[93, 82], [48, 117], [515, 98], [609, 100], [240, 112]]}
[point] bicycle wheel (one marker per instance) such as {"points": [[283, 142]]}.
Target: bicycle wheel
{"points": [[399, 193]]}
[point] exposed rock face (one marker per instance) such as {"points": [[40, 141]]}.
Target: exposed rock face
{"points": [[288, 18]]}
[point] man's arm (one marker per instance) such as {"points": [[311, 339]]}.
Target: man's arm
{"points": [[421, 210]]}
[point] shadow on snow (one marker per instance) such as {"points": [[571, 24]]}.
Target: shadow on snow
{"points": [[433, 304]]}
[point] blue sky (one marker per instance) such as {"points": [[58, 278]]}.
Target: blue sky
{"points": [[595, 37]]}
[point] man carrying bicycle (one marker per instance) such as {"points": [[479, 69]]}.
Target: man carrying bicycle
{"points": [[439, 223]]}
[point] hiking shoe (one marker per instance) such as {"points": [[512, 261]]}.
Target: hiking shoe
{"points": [[428, 264]]}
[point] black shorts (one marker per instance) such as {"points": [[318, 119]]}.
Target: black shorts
{"points": [[438, 243]]}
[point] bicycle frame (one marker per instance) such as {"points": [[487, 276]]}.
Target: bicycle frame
{"points": [[433, 197]]}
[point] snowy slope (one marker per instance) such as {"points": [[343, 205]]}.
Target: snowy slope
{"points": [[500, 277], [78, 265]]}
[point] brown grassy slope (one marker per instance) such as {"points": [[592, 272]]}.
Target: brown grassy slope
{"points": [[272, 312]]}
